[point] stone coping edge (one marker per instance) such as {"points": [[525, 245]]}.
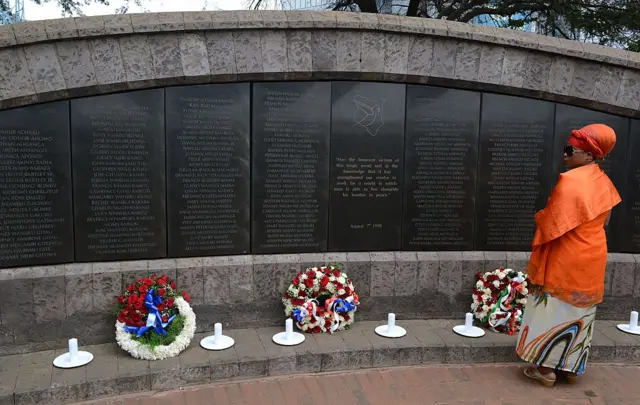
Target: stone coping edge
{"points": [[516, 260], [31, 379], [30, 32]]}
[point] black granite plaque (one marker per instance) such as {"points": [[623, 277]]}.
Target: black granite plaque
{"points": [[119, 176], [367, 150], [208, 169], [569, 118], [629, 214], [516, 144], [36, 223], [440, 168], [290, 167]]}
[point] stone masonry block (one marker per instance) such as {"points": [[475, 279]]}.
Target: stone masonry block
{"points": [[274, 19], [27, 32], [608, 83], [222, 53], [444, 57], [584, 81], [359, 271], [450, 274], [194, 56], [248, 52], [396, 54], [78, 289], [7, 35], [517, 260], [428, 271], [15, 80], [197, 20], [420, 58], [537, 71], [372, 50], [636, 284], [107, 60], [49, 293], [136, 58], [44, 67], [323, 51], [312, 260], [76, 63], [133, 271], [623, 274], [107, 283], [241, 279], [190, 277], [382, 274], [491, 62], [514, 67], [561, 75], [299, 57], [494, 260], [264, 281], [216, 281], [472, 263], [287, 266], [17, 301], [166, 56], [118, 24], [324, 19], [60, 28], [348, 51], [224, 20], [406, 274], [629, 91], [90, 26], [468, 58], [299, 19], [274, 51], [349, 20]]}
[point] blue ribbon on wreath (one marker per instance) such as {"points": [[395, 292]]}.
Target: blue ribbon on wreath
{"points": [[154, 318]]}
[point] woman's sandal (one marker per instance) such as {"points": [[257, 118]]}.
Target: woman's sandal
{"points": [[572, 378], [535, 374]]}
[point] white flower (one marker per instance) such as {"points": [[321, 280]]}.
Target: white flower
{"points": [[485, 297], [303, 276], [487, 291], [140, 351], [479, 285], [501, 276], [341, 292], [318, 274], [315, 269], [496, 284], [485, 308], [525, 291], [341, 280], [332, 279]]}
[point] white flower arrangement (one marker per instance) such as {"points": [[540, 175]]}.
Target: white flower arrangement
{"points": [[140, 351]]}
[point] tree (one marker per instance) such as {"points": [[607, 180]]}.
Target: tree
{"points": [[70, 8], [606, 22]]}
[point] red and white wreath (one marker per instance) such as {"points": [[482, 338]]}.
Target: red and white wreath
{"points": [[499, 298], [321, 300]]}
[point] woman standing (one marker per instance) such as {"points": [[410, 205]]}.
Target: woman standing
{"points": [[568, 261]]}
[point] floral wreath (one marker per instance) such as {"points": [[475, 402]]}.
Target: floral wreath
{"points": [[154, 321], [499, 298], [321, 300]]}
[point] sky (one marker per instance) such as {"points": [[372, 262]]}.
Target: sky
{"points": [[52, 10]]}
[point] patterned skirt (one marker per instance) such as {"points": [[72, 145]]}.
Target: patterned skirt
{"points": [[555, 334]]}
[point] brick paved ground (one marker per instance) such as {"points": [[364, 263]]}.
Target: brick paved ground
{"points": [[437, 384]]}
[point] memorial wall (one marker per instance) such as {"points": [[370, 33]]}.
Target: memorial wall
{"points": [[289, 167]]}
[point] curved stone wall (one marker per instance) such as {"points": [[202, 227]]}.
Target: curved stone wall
{"points": [[58, 59]]}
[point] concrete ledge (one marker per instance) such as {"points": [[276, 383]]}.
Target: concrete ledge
{"points": [[42, 61], [41, 307], [31, 379]]}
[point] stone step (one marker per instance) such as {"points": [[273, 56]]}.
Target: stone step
{"points": [[31, 378]]}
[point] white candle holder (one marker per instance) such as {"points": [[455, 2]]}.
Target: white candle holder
{"points": [[73, 358], [468, 330], [288, 337], [632, 326], [218, 341], [391, 330]]}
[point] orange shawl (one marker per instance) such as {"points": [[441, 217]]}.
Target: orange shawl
{"points": [[569, 253]]}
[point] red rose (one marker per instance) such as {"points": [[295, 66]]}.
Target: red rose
{"points": [[161, 307], [296, 302], [147, 281], [327, 323], [308, 282], [139, 323], [317, 329], [162, 292], [143, 289], [165, 319], [320, 312], [186, 296], [161, 282], [326, 270], [302, 293], [170, 302], [324, 281], [346, 317], [315, 294], [173, 285], [153, 277], [336, 273], [131, 288], [348, 290], [287, 295], [296, 281], [139, 305], [339, 286], [122, 313], [132, 299], [121, 319], [121, 299]]}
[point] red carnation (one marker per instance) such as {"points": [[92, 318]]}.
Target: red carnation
{"points": [[336, 273], [311, 275], [121, 299], [139, 305], [314, 294], [296, 281], [339, 286], [122, 313], [308, 282], [165, 319], [327, 323], [170, 302], [348, 290], [324, 281], [143, 289], [296, 302], [186, 296], [346, 317], [132, 299], [326, 270], [162, 292], [121, 319], [139, 323], [317, 329], [161, 307], [302, 293], [131, 288], [161, 282], [173, 285]]}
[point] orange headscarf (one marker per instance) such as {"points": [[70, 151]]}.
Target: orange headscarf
{"points": [[598, 139]]}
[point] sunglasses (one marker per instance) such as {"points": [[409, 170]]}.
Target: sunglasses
{"points": [[569, 150]]}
